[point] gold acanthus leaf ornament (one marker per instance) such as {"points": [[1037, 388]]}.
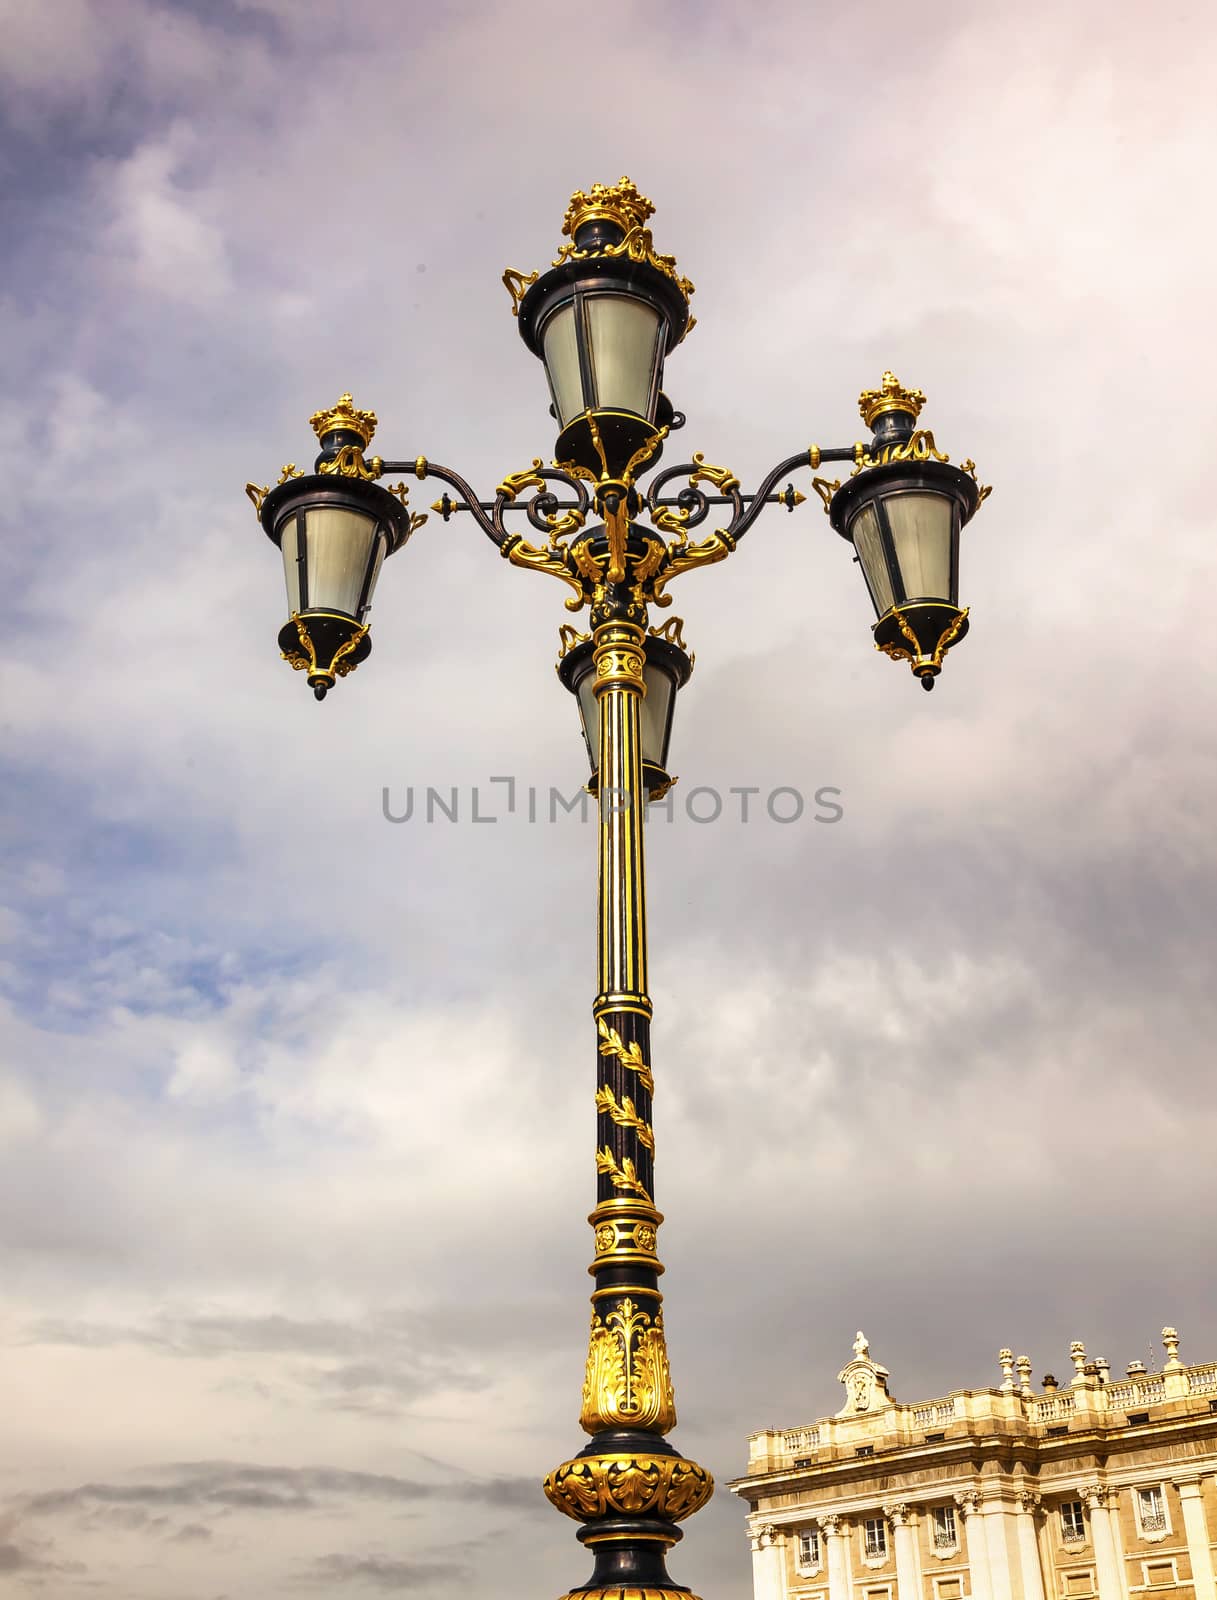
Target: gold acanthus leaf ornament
{"points": [[624, 1177], [625, 1115], [628, 1382], [684, 557], [591, 1487], [527, 478], [629, 1055], [553, 558]]}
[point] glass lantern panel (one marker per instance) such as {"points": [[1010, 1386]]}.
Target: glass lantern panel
{"points": [[623, 339], [289, 545], [656, 706], [382, 544], [868, 542], [589, 714], [921, 538], [561, 349], [341, 545]]}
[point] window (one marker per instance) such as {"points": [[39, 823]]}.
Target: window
{"points": [[1073, 1527], [1151, 1513], [865, 1450], [948, 1588], [945, 1536], [875, 1534], [1158, 1572], [809, 1548]]}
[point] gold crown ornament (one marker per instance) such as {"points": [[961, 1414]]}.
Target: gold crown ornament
{"points": [[621, 204], [890, 396], [345, 417]]}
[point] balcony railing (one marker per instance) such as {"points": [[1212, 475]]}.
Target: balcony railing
{"points": [[1136, 1392], [934, 1411], [1055, 1405]]}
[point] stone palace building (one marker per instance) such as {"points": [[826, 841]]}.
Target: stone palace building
{"points": [[1100, 1489]]}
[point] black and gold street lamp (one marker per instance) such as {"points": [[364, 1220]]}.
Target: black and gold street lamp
{"points": [[603, 320]]}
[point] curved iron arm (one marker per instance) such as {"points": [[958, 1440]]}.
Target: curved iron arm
{"points": [[491, 526], [541, 508], [743, 520], [692, 505]]}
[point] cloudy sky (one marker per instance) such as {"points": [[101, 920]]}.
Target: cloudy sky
{"points": [[296, 1117]]}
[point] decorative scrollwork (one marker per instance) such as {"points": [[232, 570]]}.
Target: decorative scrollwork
{"points": [[684, 557], [672, 631], [919, 447], [826, 490], [417, 518], [290, 471], [723, 479], [592, 1487], [986, 489], [568, 638], [527, 478], [946, 639], [628, 1382], [349, 463], [256, 495], [543, 514], [637, 245], [644, 453], [553, 558], [340, 664], [629, 1055], [625, 1115], [649, 563], [516, 283]]}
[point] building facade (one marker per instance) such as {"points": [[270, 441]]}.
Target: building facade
{"points": [[1093, 1490]]}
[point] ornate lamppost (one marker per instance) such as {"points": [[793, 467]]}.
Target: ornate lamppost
{"points": [[603, 319]]}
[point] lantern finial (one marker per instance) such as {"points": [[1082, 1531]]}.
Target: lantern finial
{"points": [[344, 418], [890, 396], [621, 204]]}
